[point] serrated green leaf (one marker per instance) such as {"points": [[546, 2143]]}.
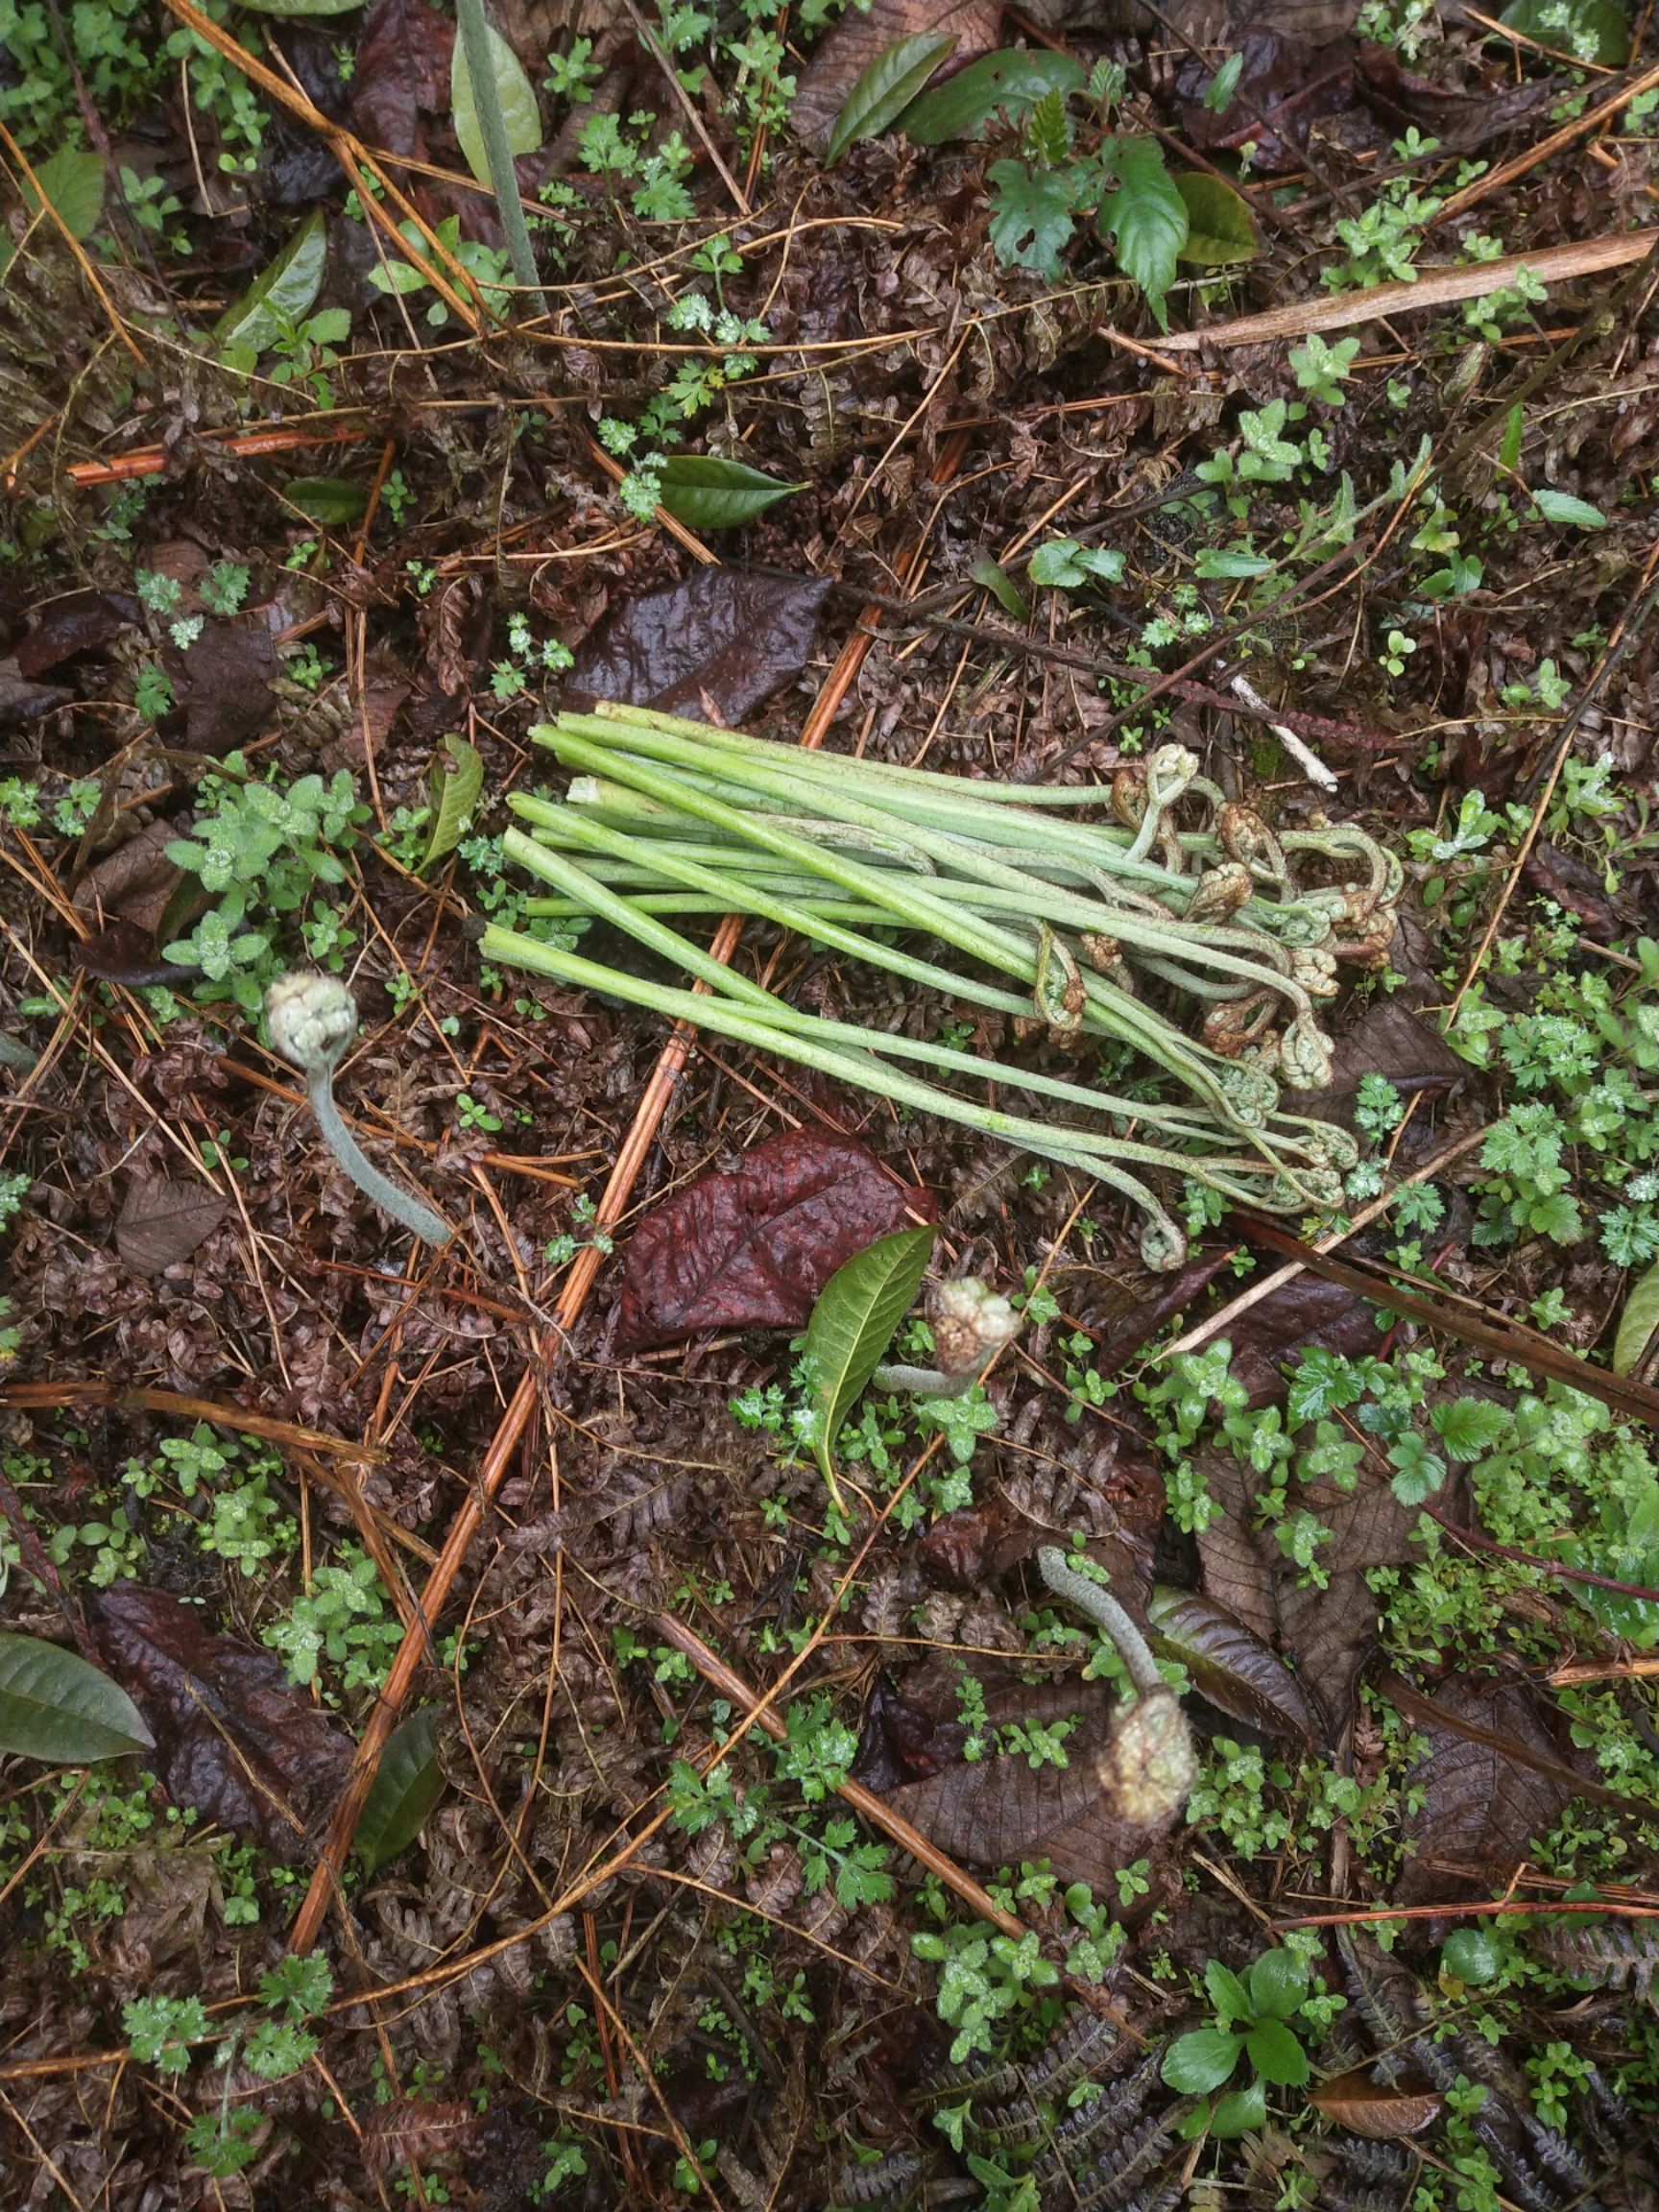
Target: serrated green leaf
{"points": [[1049, 131], [285, 293], [453, 782], [886, 88], [1276, 2055], [1637, 1323], [852, 1323], [72, 182], [1571, 514], [1030, 216], [408, 1785], [55, 1705], [706, 492], [1002, 587], [964, 104], [1144, 216], [1220, 228], [1197, 2063], [516, 93], [1596, 30], [327, 499]]}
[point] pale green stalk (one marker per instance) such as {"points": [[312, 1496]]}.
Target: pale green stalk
{"points": [[497, 154]]}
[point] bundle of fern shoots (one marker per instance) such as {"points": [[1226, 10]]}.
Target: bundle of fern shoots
{"points": [[1080, 913]]}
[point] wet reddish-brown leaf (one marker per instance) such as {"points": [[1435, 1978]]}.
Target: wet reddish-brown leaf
{"points": [[223, 683], [751, 1246], [1492, 1784], [1375, 2109], [1389, 1040], [1230, 1665], [1286, 86], [402, 72], [21, 700], [133, 884], [720, 638], [849, 50], [164, 1221], [126, 954], [234, 1739], [78, 622]]}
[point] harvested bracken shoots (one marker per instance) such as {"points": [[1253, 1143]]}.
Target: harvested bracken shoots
{"points": [[1090, 928]]}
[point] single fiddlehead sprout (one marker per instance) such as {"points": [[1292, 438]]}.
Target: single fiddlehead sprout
{"points": [[970, 1321], [1148, 1766], [312, 1018]]}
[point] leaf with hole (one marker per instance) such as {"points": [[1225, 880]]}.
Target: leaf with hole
{"points": [[453, 782], [1011, 82], [1638, 1323], [886, 88], [407, 1785], [327, 499], [706, 492], [71, 182], [283, 296], [515, 92], [55, 1705], [1002, 587], [1221, 229], [1146, 216], [852, 1323]]}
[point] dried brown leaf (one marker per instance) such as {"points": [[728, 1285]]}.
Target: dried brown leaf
{"points": [[720, 638], [751, 1246], [223, 684], [402, 73], [1375, 2109], [78, 622], [162, 1221], [1231, 1667], [234, 1738]]}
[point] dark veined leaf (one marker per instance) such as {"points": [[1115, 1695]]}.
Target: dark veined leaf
{"points": [[1221, 229], [327, 499], [286, 293], [886, 88], [55, 1705], [852, 1323], [1374, 2109], [1637, 1323], [1146, 216], [1597, 30], [1030, 216], [453, 782], [964, 104], [1002, 587], [706, 492], [71, 182], [1571, 514], [408, 1785], [516, 93], [1229, 1665]]}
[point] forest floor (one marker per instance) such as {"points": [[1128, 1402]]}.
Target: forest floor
{"points": [[1282, 387]]}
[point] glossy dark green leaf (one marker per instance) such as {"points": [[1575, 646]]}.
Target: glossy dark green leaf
{"points": [[1229, 1664], [1002, 587], [1278, 1983], [706, 492], [1596, 30], [453, 782], [1221, 229], [72, 182], [516, 93], [852, 1323], [1276, 2055], [55, 1705], [327, 499], [1241, 2112], [408, 1785], [1199, 2062], [1011, 82], [886, 88], [284, 293]]}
